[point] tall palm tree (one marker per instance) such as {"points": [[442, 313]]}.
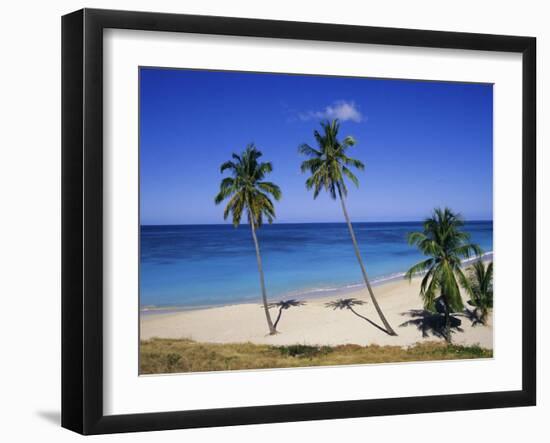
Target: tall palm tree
{"points": [[328, 165], [283, 305], [481, 289], [446, 244], [249, 193]]}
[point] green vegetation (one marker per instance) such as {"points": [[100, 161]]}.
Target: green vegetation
{"points": [[159, 356], [328, 164], [480, 290], [248, 192], [444, 242], [304, 351]]}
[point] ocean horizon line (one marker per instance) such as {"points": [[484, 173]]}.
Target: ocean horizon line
{"points": [[480, 220]]}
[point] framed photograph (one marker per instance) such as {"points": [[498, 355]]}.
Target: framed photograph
{"points": [[269, 221]]}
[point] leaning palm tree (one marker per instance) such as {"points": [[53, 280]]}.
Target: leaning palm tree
{"points": [[328, 164], [446, 244], [481, 289], [283, 305], [249, 193]]}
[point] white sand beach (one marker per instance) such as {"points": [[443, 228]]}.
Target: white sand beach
{"points": [[315, 324]]}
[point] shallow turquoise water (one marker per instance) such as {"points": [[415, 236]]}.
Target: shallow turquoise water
{"points": [[205, 265]]}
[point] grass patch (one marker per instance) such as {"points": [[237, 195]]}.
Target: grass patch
{"points": [[303, 351], [161, 356]]}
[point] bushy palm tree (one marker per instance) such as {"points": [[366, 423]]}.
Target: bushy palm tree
{"points": [[328, 165], [481, 289], [250, 194], [283, 305], [446, 244]]}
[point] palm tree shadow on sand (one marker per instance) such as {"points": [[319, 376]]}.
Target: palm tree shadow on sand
{"points": [[473, 316], [349, 303], [430, 323]]}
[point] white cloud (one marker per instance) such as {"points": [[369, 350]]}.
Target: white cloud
{"points": [[342, 110]]}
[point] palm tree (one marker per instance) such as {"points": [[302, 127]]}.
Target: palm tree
{"points": [[446, 244], [283, 305], [481, 289], [328, 164], [349, 303], [249, 193]]}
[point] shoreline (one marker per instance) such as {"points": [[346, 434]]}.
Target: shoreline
{"points": [[304, 295], [317, 325]]}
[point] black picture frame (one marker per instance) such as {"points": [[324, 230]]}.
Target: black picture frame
{"points": [[82, 216]]}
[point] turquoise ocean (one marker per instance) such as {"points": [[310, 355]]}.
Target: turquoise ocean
{"points": [[191, 266]]}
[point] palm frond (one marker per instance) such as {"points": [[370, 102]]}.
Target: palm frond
{"points": [[228, 165], [312, 165], [349, 141], [328, 164], [271, 188], [306, 149], [350, 175], [246, 189], [353, 162], [468, 250], [263, 169], [415, 238], [430, 292], [418, 268], [344, 303]]}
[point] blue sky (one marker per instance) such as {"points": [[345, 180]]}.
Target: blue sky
{"points": [[424, 144]]}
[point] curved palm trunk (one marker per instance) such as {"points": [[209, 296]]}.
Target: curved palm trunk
{"points": [[389, 329], [272, 330]]}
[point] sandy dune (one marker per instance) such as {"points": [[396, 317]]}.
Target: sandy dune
{"points": [[316, 324]]}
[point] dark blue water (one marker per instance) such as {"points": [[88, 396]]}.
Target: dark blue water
{"points": [[203, 265]]}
